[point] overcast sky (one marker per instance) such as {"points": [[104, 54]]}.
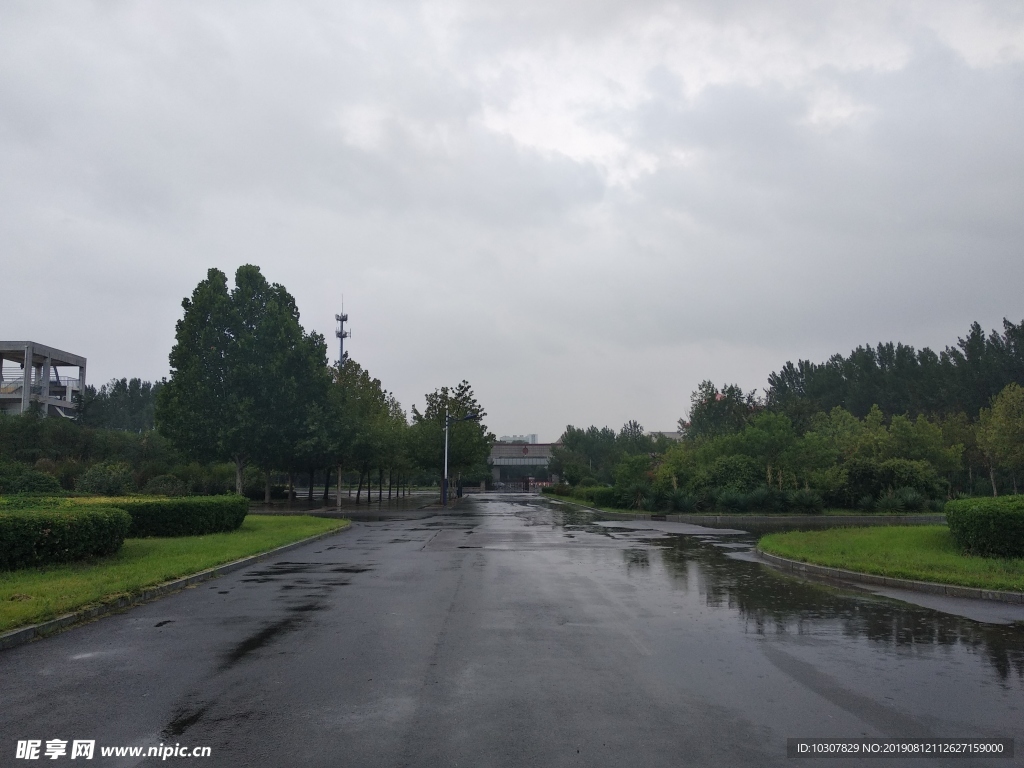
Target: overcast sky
{"points": [[582, 207]]}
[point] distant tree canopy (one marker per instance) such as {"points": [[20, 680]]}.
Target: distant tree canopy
{"points": [[250, 394], [885, 426], [125, 404], [901, 380]]}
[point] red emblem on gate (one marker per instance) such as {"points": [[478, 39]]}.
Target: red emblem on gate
{"points": [[525, 451]]}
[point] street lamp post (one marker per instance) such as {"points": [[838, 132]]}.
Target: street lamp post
{"points": [[448, 421]]}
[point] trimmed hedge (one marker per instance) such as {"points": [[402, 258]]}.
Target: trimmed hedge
{"points": [[184, 516], [990, 527], [34, 537]]}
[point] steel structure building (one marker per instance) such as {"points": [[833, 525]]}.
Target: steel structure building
{"points": [[30, 373]]}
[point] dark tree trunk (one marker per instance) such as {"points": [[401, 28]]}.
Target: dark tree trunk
{"points": [[266, 489], [309, 492], [391, 476], [239, 475], [340, 481], [291, 486], [360, 491], [380, 484]]}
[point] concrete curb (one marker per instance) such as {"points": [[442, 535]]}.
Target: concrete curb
{"points": [[930, 587], [737, 521], [32, 632]]}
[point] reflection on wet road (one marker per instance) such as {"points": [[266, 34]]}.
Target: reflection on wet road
{"points": [[515, 631]]}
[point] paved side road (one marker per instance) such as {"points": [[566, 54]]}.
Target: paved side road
{"points": [[510, 633]]}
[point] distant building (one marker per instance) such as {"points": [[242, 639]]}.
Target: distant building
{"points": [[30, 373], [518, 438], [515, 461]]}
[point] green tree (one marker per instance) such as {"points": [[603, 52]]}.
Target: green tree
{"points": [[243, 373], [715, 412], [1001, 433], [469, 442]]}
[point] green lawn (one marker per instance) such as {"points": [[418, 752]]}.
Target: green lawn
{"points": [[36, 594], [921, 552]]}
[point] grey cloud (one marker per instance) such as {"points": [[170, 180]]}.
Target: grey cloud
{"points": [[554, 200]]}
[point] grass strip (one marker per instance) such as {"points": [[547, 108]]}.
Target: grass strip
{"points": [[923, 553], [32, 595]]}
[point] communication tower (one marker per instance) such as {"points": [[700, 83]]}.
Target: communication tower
{"points": [[342, 334]]}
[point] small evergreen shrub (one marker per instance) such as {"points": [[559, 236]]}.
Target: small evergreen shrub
{"points": [[889, 502], [633, 495], [599, 496], [989, 527], [17, 478], [731, 501], [650, 503], [681, 501], [184, 516], [759, 499], [866, 502], [107, 479], [36, 537], [913, 500], [807, 502], [165, 485]]}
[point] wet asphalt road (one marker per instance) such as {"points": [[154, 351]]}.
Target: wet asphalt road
{"points": [[515, 632]]}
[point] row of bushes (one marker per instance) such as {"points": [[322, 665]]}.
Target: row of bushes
{"points": [[843, 486], [34, 537], [988, 527], [42, 530], [730, 500], [185, 516], [726, 500]]}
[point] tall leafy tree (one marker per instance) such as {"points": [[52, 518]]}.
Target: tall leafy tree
{"points": [[125, 404], [1001, 433], [715, 412], [469, 442], [243, 373]]}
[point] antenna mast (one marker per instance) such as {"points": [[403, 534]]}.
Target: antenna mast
{"points": [[341, 333]]}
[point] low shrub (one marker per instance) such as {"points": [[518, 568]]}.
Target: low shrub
{"points": [[913, 500], [558, 490], [165, 485], [107, 479], [184, 516], [990, 527], [603, 496], [731, 501], [650, 503], [35, 537], [17, 478], [681, 501], [768, 500], [807, 502], [634, 495], [889, 502]]}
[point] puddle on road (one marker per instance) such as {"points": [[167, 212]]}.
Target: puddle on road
{"points": [[723, 570]]}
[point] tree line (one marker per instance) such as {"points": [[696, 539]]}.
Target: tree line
{"points": [[248, 385], [885, 427], [249, 388]]}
